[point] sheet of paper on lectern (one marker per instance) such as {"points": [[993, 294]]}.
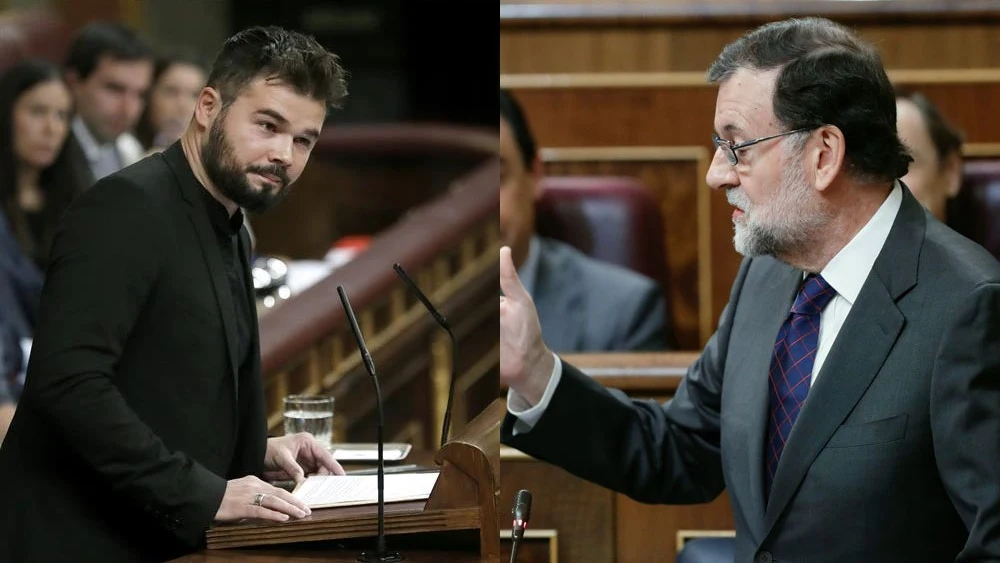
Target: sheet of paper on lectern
{"points": [[329, 491], [369, 452]]}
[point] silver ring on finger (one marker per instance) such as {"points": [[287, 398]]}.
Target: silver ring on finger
{"points": [[258, 499]]}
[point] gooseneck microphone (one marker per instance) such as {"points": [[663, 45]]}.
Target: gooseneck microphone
{"points": [[521, 513], [441, 320], [381, 553]]}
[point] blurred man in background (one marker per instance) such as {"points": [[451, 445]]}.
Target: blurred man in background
{"points": [[935, 175], [109, 70], [584, 304]]}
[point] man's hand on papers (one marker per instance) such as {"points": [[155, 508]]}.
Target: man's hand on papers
{"points": [[249, 497], [294, 456]]}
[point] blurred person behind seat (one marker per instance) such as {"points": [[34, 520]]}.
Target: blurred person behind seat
{"points": [[935, 174], [109, 69], [177, 80], [584, 305]]}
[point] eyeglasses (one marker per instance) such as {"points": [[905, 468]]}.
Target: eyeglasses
{"points": [[729, 149]]}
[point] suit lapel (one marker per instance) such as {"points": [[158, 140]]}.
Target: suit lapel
{"points": [[559, 299], [207, 240], [748, 379], [245, 255], [862, 345], [79, 164], [220, 283]]}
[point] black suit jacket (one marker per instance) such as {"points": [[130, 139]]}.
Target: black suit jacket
{"points": [[78, 162], [585, 305], [894, 456], [134, 414]]}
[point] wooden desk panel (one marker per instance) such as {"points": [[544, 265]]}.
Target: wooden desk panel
{"points": [[582, 513], [645, 532], [595, 524]]}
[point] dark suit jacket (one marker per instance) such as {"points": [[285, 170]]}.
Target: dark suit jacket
{"points": [[588, 305], [134, 414], [78, 162], [894, 456]]}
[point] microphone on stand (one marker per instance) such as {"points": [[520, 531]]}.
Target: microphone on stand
{"points": [[381, 553], [441, 320], [521, 512]]}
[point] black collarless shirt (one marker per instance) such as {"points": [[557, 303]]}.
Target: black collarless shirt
{"points": [[227, 230]]}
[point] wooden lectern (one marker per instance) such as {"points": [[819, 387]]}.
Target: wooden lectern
{"points": [[464, 499]]}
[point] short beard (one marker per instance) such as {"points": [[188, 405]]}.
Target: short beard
{"points": [[785, 226], [230, 178]]}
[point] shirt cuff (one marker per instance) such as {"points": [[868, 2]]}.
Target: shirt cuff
{"points": [[527, 415]]}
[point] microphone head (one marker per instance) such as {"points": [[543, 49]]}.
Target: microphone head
{"points": [[522, 506]]}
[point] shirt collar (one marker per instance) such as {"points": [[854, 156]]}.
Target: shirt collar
{"points": [[528, 272], [849, 269], [91, 148], [219, 217]]}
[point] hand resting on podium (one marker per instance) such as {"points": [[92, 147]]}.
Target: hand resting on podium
{"points": [[289, 457]]}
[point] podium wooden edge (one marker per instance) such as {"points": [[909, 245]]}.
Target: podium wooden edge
{"points": [[470, 468], [465, 497]]}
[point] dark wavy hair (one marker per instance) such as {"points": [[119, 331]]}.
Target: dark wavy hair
{"points": [[105, 39], [828, 76], [58, 182], [274, 53]]}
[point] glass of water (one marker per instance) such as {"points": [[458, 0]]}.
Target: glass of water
{"points": [[312, 414]]}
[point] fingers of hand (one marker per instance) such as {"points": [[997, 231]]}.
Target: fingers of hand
{"points": [[292, 505], [324, 461], [286, 462], [510, 284], [272, 507], [249, 497]]}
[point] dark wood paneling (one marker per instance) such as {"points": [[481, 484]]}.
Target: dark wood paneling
{"points": [[687, 35], [698, 12], [534, 548], [581, 512], [646, 532]]}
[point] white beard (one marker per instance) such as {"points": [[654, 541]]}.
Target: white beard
{"points": [[782, 225]]}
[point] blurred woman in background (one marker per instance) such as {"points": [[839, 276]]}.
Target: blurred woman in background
{"points": [[36, 179], [177, 81], [935, 174], [37, 183]]}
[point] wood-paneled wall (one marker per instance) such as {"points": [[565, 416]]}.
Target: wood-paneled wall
{"points": [[686, 35], [658, 127]]}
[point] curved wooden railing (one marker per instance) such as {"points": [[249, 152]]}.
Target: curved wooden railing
{"points": [[450, 247]]}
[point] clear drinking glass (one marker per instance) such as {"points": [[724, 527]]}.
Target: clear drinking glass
{"points": [[312, 414]]}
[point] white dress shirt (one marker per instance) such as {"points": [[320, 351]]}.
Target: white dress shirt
{"points": [[846, 273], [107, 158]]}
